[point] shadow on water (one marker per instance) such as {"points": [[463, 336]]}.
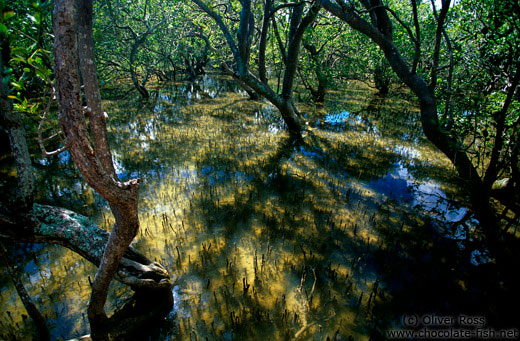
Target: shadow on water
{"points": [[336, 236]]}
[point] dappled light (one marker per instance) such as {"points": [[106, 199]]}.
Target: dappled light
{"points": [[269, 236]]}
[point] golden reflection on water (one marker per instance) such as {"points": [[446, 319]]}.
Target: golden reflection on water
{"points": [[269, 238]]}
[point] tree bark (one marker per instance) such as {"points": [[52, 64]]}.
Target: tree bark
{"points": [[75, 232], [91, 162], [16, 133], [88, 69]]}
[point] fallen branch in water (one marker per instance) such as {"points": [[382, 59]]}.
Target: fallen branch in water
{"points": [[77, 233]]}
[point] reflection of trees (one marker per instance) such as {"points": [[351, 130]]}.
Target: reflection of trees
{"points": [[59, 183], [246, 216], [250, 223], [427, 269], [265, 218], [280, 226], [160, 122]]}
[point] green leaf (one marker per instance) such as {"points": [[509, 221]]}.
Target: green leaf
{"points": [[43, 72], [38, 18], [3, 30], [8, 14], [18, 50], [16, 85], [18, 59]]}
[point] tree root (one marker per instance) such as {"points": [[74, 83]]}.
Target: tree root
{"points": [[153, 298], [77, 233]]}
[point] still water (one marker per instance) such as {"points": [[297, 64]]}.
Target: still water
{"points": [[334, 237]]}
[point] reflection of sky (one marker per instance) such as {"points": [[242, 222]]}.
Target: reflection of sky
{"points": [[407, 152], [428, 195], [64, 157], [345, 118], [338, 119], [266, 114], [199, 195], [399, 184], [392, 186]]}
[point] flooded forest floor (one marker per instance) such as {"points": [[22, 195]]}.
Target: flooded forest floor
{"points": [[338, 236]]}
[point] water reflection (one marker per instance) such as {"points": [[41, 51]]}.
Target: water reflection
{"points": [[272, 238]]}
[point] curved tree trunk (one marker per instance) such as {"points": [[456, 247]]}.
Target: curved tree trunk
{"points": [[252, 94], [77, 233], [290, 116], [318, 94], [50, 224], [92, 162], [133, 74], [66, 228], [87, 62], [241, 52], [380, 32]]}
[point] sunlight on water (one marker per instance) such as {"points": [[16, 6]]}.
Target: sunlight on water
{"points": [[269, 238]]}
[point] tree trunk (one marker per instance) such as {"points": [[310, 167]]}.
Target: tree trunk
{"points": [[317, 94], [382, 36], [262, 72], [294, 123], [149, 279], [296, 31], [74, 231], [133, 74], [93, 163], [252, 94], [16, 133], [241, 54], [91, 88]]}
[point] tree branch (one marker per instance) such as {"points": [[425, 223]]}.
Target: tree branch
{"points": [[441, 18], [221, 25], [417, 41], [492, 170]]}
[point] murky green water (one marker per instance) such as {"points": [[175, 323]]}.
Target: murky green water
{"points": [[338, 236]]}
